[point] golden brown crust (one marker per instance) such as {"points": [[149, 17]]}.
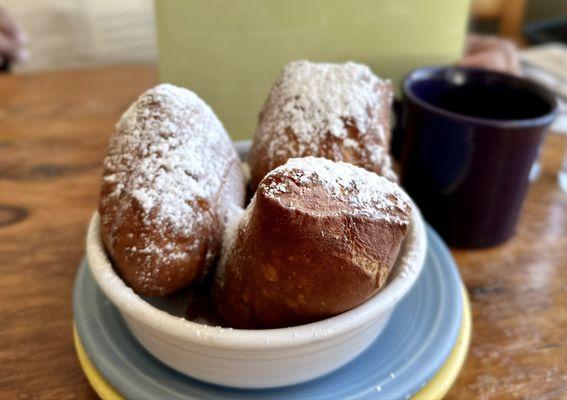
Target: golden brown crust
{"points": [[170, 179], [308, 248], [337, 111]]}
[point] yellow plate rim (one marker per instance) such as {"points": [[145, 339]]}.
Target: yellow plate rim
{"points": [[436, 388]]}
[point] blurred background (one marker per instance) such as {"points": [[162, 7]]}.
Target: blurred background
{"points": [[83, 33], [197, 40]]}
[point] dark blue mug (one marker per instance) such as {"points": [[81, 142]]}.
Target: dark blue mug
{"points": [[468, 140]]}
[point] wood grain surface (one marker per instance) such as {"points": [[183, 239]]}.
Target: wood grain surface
{"points": [[54, 129]]}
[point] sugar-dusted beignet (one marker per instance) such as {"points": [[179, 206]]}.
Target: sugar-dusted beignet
{"points": [[319, 238], [170, 180], [336, 111]]}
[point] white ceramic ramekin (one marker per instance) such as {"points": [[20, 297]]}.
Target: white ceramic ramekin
{"points": [[258, 358]]}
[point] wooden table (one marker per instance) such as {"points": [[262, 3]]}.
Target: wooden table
{"points": [[54, 129]]}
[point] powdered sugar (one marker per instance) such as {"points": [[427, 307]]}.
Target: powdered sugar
{"points": [[316, 98], [320, 99], [168, 158], [337, 111], [365, 192], [238, 222]]}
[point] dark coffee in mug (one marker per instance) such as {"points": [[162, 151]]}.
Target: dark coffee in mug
{"points": [[470, 138], [497, 101]]}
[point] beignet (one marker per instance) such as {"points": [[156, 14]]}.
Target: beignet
{"points": [[336, 111], [170, 180], [319, 238]]}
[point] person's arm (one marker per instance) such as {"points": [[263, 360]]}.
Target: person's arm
{"points": [[12, 40], [491, 52]]}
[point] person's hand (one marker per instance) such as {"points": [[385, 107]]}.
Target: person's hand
{"points": [[491, 52], [12, 40]]}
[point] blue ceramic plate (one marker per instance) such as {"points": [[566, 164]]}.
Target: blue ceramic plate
{"points": [[419, 337]]}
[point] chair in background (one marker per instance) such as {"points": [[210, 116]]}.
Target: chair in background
{"points": [[508, 13]]}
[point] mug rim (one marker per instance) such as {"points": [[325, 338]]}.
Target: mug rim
{"points": [[534, 88]]}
